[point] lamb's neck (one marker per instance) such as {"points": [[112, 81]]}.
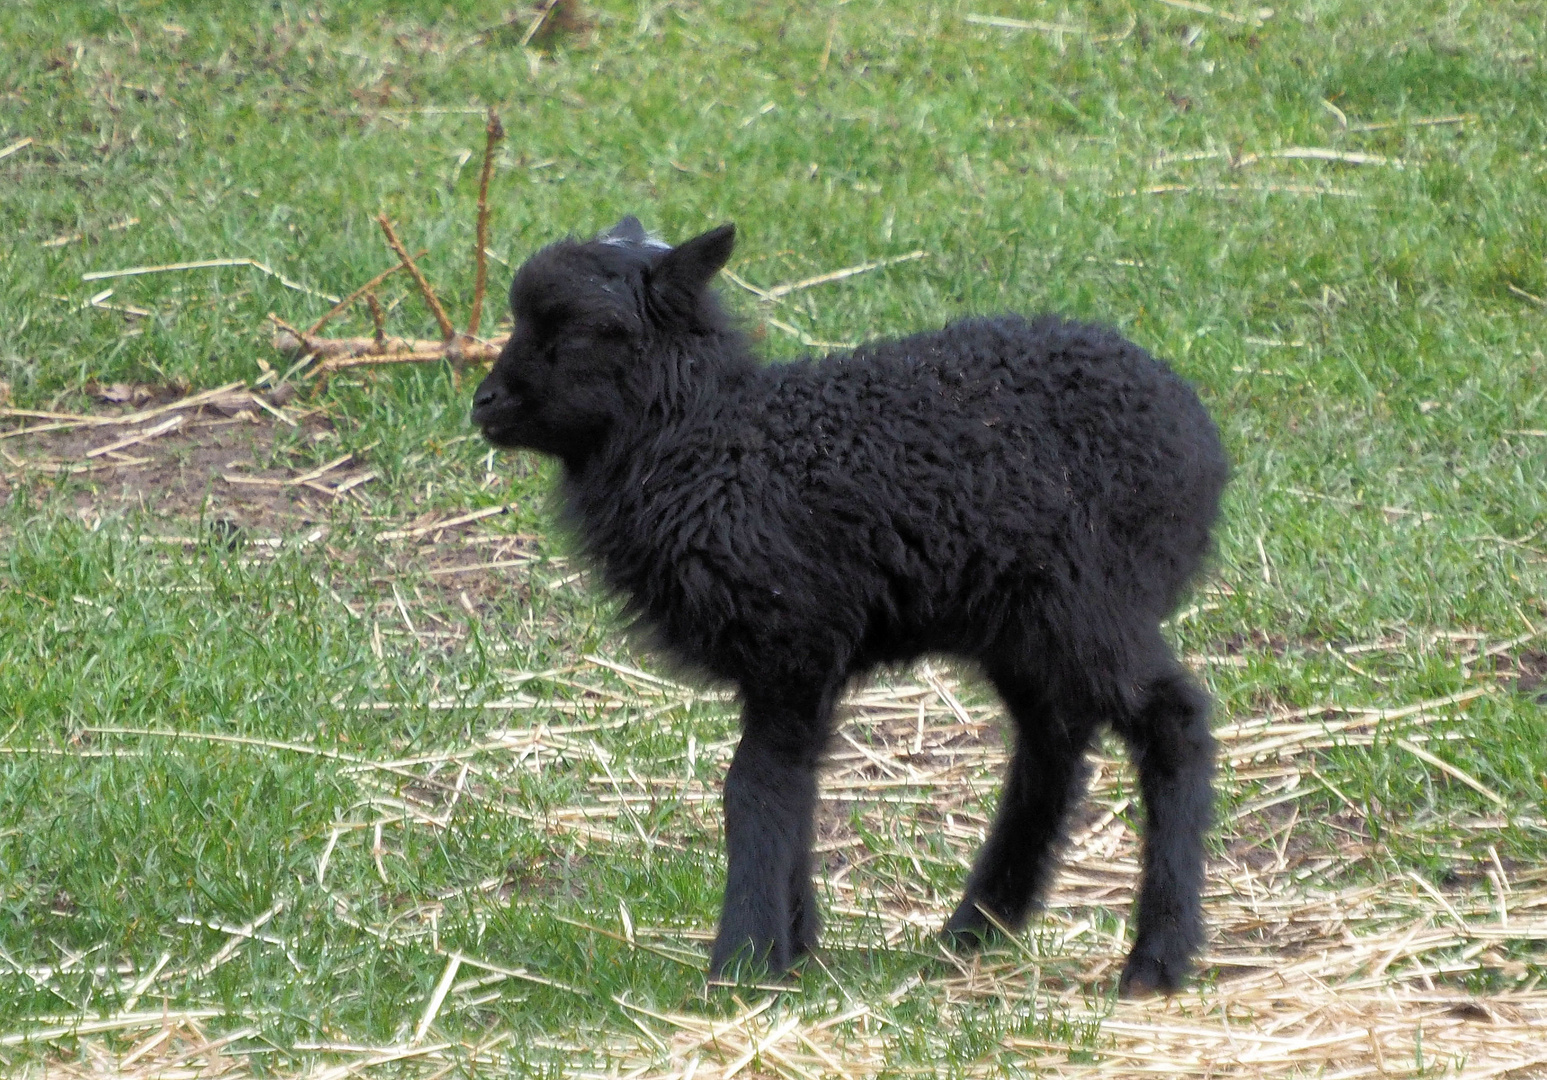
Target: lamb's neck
{"points": [[681, 376], [606, 504], [609, 497]]}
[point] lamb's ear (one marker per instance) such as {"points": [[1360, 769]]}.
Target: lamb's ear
{"points": [[690, 266], [629, 230]]}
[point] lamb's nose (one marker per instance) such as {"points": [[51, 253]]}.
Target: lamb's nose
{"points": [[484, 396]]}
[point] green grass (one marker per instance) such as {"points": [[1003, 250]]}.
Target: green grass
{"points": [[1371, 349]]}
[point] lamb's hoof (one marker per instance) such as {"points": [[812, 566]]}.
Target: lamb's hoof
{"points": [[964, 940], [1147, 974], [968, 929], [752, 962]]}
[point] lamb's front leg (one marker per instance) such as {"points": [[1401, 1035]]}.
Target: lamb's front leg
{"points": [[769, 919]]}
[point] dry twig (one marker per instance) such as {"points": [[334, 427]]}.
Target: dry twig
{"points": [[447, 330], [493, 132], [201, 264], [361, 291], [19, 144]]}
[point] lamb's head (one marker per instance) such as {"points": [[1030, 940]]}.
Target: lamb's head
{"points": [[588, 314]]}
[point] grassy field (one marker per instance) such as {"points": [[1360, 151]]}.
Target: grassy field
{"points": [[300, 775]]}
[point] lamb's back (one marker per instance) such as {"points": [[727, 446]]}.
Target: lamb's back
{"points": [[1004, 422]]}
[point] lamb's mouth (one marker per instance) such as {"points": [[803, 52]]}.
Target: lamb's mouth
{"points": [[497, 423], [505, 436]]}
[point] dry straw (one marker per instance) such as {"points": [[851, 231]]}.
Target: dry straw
{"points": [[1312, 969]]}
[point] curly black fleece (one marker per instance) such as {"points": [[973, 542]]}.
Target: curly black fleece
{"points": [[1032, 495]]}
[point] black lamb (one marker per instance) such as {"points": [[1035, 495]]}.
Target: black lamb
{"points": [[1029, 495]]}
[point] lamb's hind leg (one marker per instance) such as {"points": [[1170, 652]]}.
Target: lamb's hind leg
{"points": [[1174, 751], [770, 919], [1047, 774]]}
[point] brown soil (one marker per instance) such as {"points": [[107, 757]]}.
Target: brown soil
{"points": [[230, 469], [178, 474]]}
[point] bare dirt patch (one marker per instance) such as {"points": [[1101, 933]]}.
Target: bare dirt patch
{"points": [[1532, 678], [193, 458], [248, 470]]}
